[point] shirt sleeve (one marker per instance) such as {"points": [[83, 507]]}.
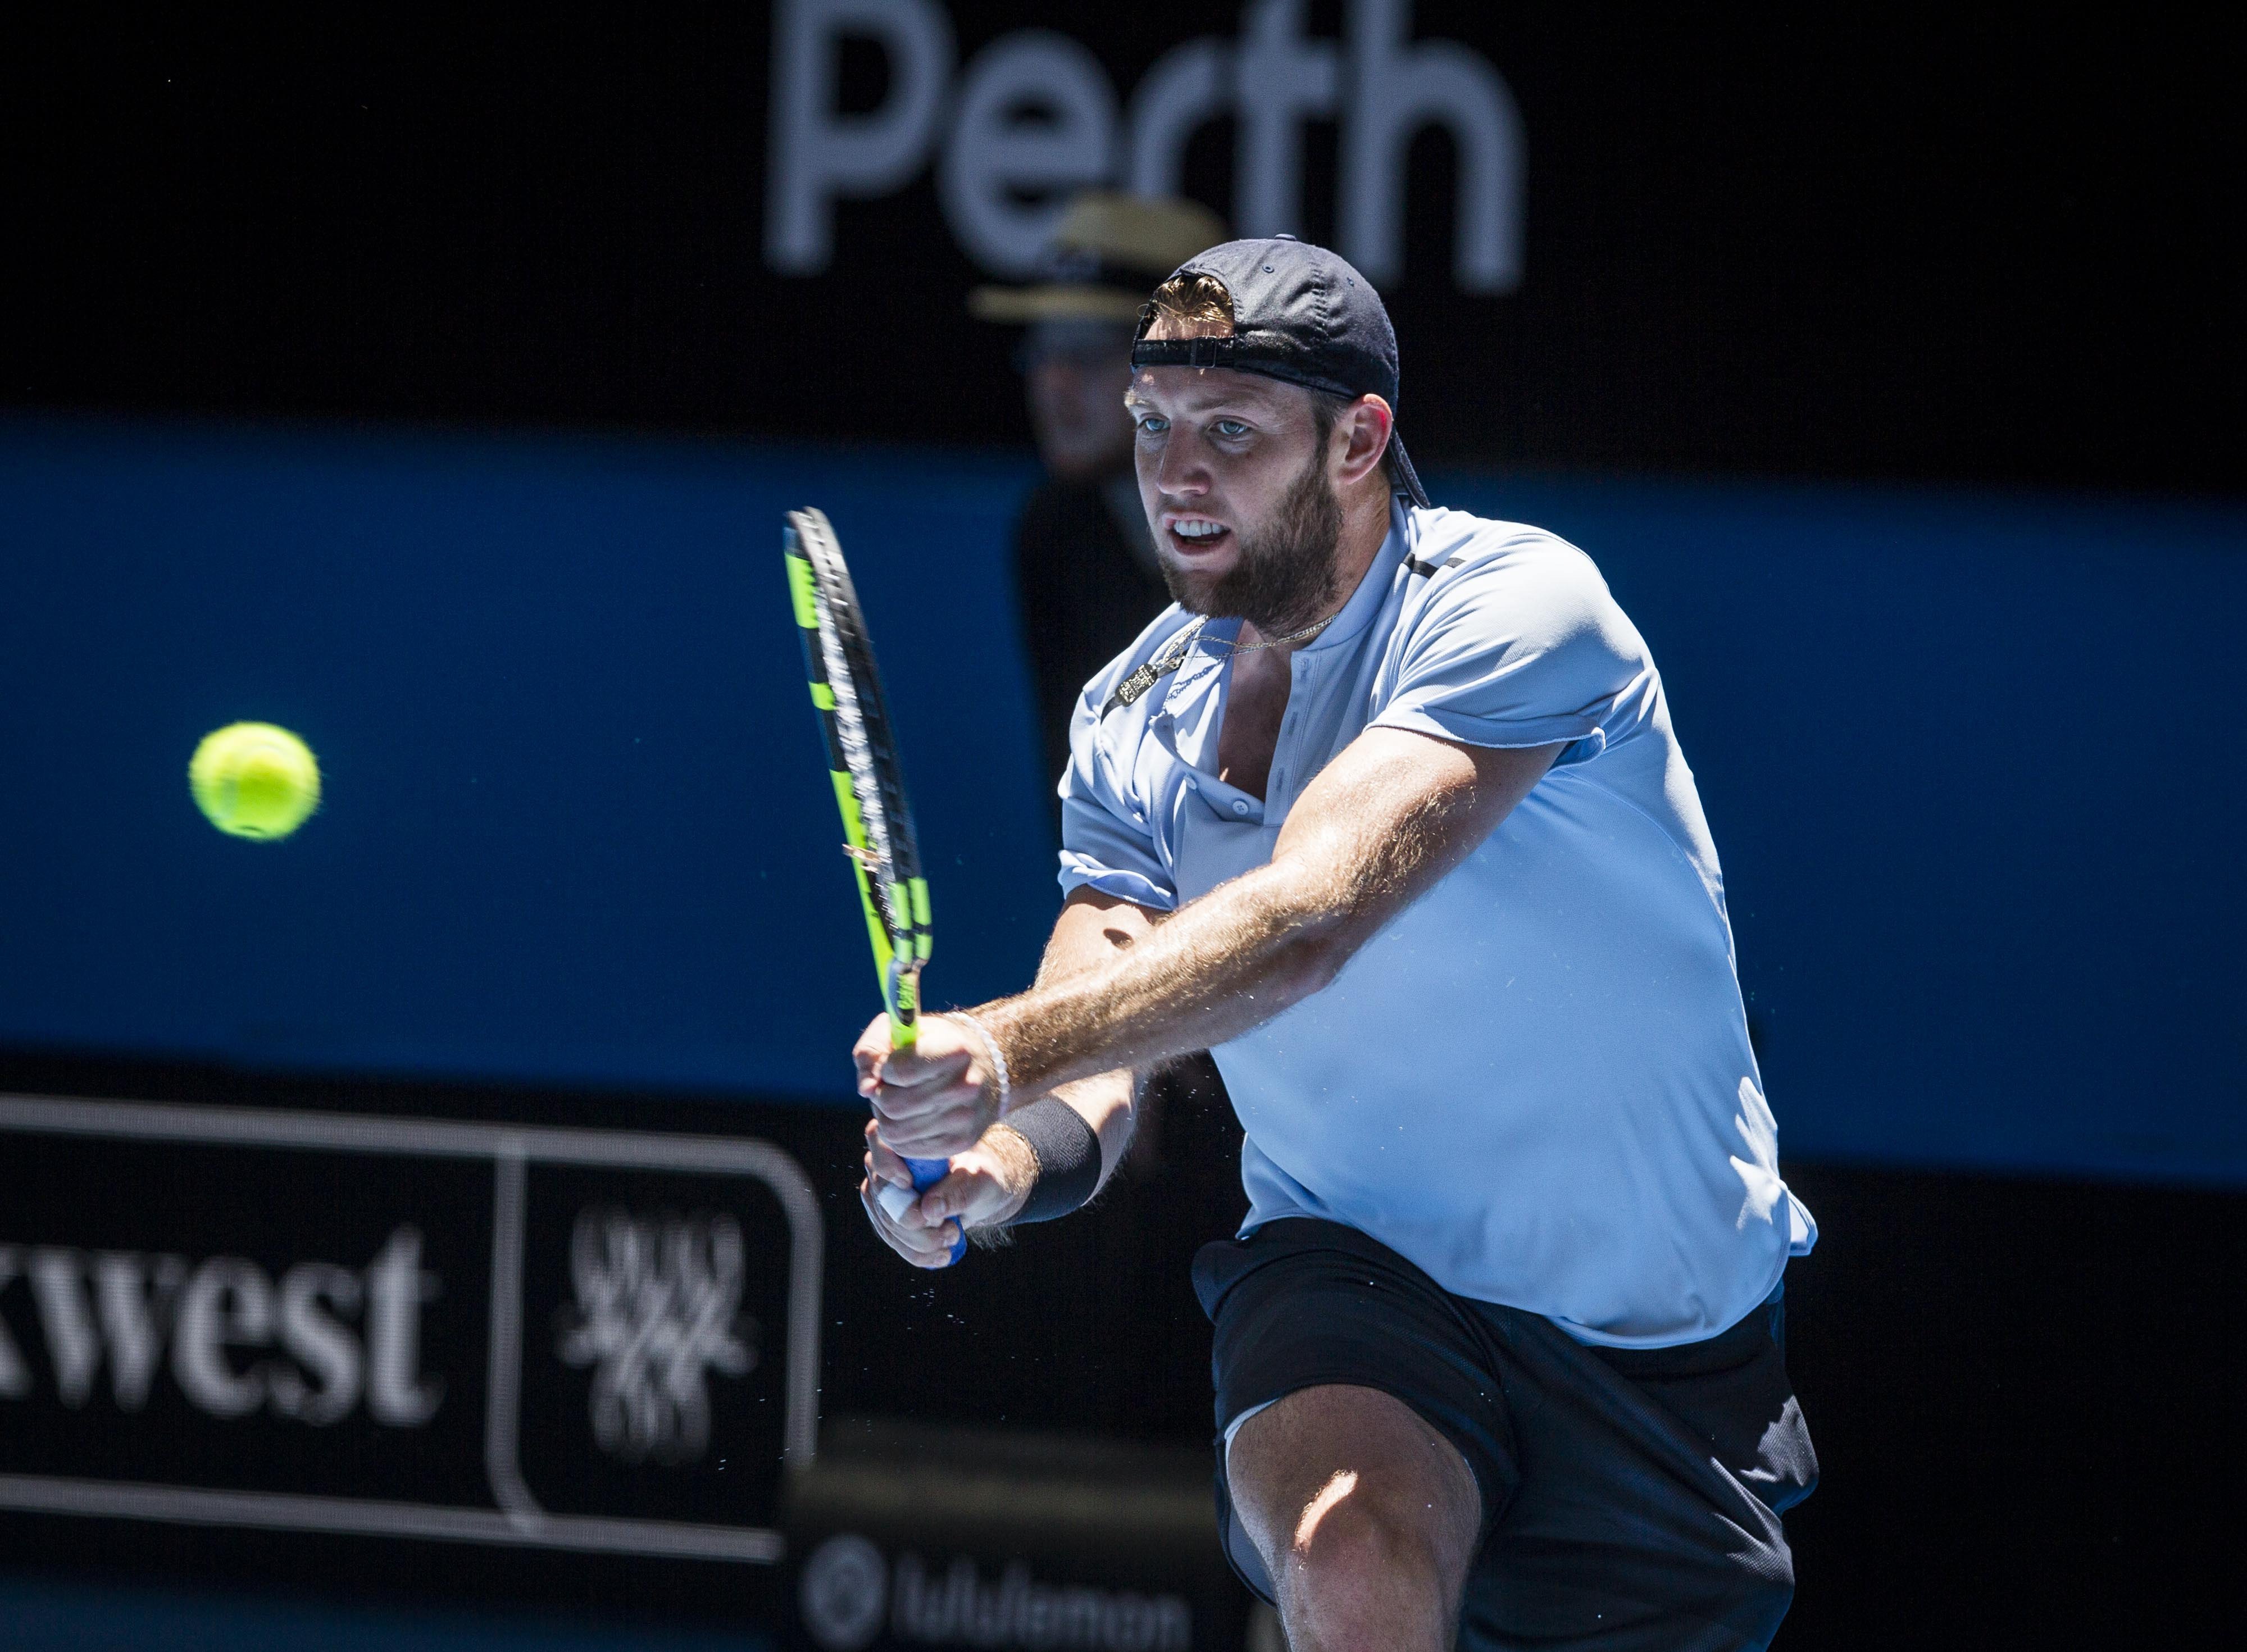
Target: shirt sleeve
{"points": [[1518, 643], [1107, 834]]}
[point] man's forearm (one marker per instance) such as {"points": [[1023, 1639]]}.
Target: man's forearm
{"points": [[1385, 822], [1219, 966]]}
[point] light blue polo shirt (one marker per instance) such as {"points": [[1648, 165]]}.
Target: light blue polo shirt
{"points": [[1536, 1084]]}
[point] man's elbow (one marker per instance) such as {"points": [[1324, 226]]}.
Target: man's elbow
{"points": [[1309, 956], [1309, 940]]}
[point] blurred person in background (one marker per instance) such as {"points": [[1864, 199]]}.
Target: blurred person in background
{"points": [[1084, 558], [1084, 555], [1088, 583]]}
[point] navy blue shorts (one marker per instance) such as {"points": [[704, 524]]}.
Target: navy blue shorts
{"points": [[1631, 1497]]}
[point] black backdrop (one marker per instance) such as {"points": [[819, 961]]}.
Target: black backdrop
{"points": [[1985, 249], [1977, 247]]}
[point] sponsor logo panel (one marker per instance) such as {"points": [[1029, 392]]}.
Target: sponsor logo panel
{"points": [[584, 1340], [910, 1535]]}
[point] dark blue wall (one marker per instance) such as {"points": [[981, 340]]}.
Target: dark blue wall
{"points": [[1968, 758], [1970, 763], [577, 826]]}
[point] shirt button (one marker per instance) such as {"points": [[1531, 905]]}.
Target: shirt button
{"points": [[1240, 805]]}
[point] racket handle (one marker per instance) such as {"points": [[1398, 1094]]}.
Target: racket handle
{"points": [[926, 1173]]}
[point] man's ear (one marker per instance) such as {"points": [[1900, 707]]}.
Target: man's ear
{"points": [[1364, 424]]}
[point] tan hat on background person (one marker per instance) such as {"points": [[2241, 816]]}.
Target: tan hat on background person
{"points": [[1107, 253]]}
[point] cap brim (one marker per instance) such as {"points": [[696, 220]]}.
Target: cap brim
{"points": [[1055, 302], [1408, 479]]}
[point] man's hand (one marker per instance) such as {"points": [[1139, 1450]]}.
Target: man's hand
{"points": [[934, 1099], [987, 1185]]}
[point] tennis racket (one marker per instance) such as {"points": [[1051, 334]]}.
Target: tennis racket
{"points": [[869, 788]]}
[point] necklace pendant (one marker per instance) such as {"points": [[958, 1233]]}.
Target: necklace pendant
{"points": [[1137, 684], [1173, 656]]}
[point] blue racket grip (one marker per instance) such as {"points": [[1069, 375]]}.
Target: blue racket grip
{"points": [[926, 1173]]}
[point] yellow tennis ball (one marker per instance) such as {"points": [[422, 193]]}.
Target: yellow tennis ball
{"points": [[254, 780]]}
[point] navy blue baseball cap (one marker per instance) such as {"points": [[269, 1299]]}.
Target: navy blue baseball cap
{"points": [[1300, 314]]}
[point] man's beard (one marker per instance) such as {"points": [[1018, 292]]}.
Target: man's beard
{"points": [[1285, 576]]}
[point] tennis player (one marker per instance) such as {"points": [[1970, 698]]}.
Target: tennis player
{"points": [[1389, 813]]}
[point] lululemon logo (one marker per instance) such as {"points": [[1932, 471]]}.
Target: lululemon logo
{"points": [[845, 1593]]}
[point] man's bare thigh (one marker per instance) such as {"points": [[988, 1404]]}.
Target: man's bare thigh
{"points": [[1293, 1463]]}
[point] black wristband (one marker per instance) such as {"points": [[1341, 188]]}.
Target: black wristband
{"points": [[1067, 1152]]}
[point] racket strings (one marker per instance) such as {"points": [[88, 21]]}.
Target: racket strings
{"points": [[858, 745], [879, 855]]}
